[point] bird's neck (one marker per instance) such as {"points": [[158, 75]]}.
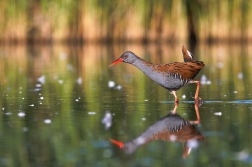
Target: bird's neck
{"points": [[142, 64]]}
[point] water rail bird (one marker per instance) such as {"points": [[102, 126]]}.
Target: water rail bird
{"points": [[171, 76]]}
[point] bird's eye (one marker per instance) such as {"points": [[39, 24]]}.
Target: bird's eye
{"points": [[125, 56]]}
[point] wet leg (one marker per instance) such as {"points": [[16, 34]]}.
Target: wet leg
{"points": [[175, 108], [176, 98], [196, 96], [196, 107]]}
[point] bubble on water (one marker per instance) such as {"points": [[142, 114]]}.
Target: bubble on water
{"points": [[76, 99], [184, 96], [218, 113], [204, 80], [91, 113], [146, 100], [8, 113], [107, 120], [119, 87], [79, 80], [41, 79], [60, 81], [21, 114], [37, 89], [2, 108], [32, 105], [47, 121], [41, 98], [235, 91], [38, 85], [143, 119], [111, 84], [240, 75], [243, 155]]}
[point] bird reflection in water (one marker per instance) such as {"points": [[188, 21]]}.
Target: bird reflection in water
{"points": [[172, 128]]}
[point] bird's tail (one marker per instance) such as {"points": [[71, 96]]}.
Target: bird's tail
{"points": [[188, 57]]}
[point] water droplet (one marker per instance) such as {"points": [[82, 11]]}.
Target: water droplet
{"points": [[79, 80], [60, 81], [111, 84], [21, 114], [91, 113], [218, 113], [8, 113], [107, 120], [41, 79], [47, 121], [38, 85], [240, 75], [119, 87]]}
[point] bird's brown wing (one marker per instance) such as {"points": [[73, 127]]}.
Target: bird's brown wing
{"points": [[187, 70]]}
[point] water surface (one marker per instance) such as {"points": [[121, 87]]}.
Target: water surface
{"points": [[54, 100]]}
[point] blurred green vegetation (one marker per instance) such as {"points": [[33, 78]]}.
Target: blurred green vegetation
{"points": [[121, 21]]}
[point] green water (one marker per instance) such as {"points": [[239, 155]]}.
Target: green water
{"points": [[53, 101]]}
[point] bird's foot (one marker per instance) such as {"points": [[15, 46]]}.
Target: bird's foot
{"points": [[198, 100], [176, 100]]}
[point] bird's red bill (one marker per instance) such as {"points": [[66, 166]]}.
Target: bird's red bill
{"points": [[118, 143], [116, 61]]}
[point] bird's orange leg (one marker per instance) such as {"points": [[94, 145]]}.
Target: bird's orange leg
{"points": [[196, 107], [175, 108], [196, 96], [176, 98]]}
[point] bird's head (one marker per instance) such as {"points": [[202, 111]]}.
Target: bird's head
{"points": [[126, 57]]}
